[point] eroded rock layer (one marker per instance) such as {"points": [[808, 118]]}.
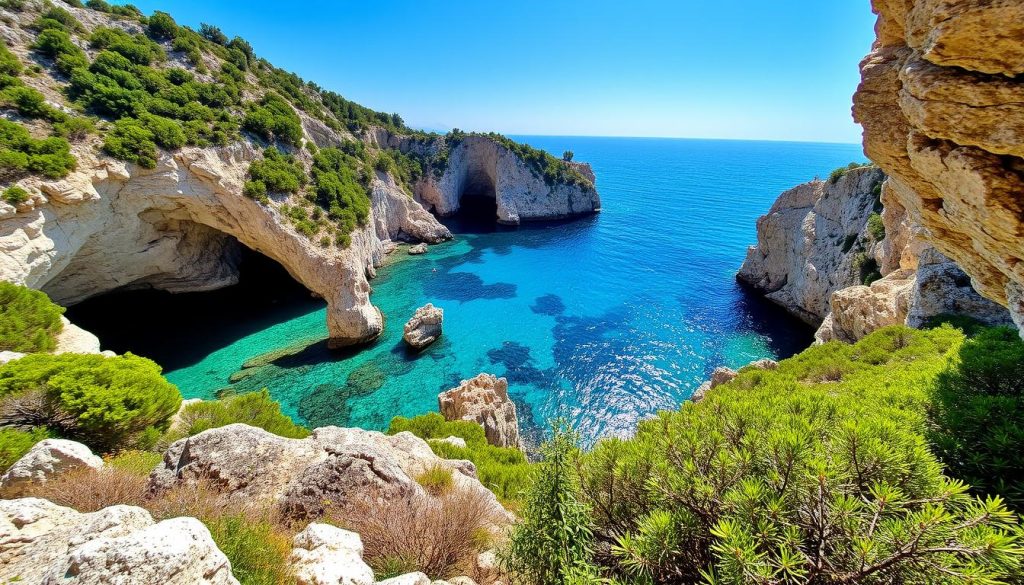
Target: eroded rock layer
{"points": [[942, 106]]}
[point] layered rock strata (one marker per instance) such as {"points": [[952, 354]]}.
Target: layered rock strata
{"points": [[942, 106], [484, 400]]}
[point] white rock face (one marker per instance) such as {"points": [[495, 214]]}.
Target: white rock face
{"points": [[47, 458], [336, 465], [326, 555], [74, 339], [478, 164], [41, 542], [407, 579], [10, 356], [484, 400], [418, 249], [805, 263], [424, 327], [177, 227]]}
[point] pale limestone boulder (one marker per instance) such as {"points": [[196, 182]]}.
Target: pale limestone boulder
{"points": [[10, 356], [484, 399], [418, 249], [46, 459], [74, 339], [41, 542], [327, 555], [941, 104], [424, 327], [416, 578], [300, 476]]}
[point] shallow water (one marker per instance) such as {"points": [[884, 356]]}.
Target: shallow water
{"points": [[604, 319]]}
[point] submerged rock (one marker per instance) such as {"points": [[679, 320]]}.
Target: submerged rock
{"points": [[484, 400], [418, 249], [424, 327], [53, 545], [47, 458]]}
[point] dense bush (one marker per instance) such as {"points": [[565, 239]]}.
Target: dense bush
{"points": [[29, 321], [817, 472], [15, 195], [978, 415], [56, 43], [10, 65], [131, 141], [104, 402], [341, 185], [553, 543], [840, 172], [136, 48], [21, 154], [875, 227], [278, 172], [503, 470], [274, 119], [256, 547], [161, 26], [256, 409], [29, 103], [14, 444]]}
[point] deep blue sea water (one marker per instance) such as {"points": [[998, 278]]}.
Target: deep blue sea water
{"points": [[604, 319]]}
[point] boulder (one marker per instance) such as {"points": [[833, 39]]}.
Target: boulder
{"points": [[416, 578], [424, 327], [41, 542], [418, 249], [45, 459], [302, 477], [326, 555], [484, 399], [10, 356]]}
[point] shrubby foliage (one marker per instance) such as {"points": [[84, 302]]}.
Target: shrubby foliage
{"points": [[875, 227], [840, 172], [29, 321], [274, 119], [817, 472], [277, 172], [978, 415], [256, 409], [503, 470], [15, 443], [341, 185], [104, 402]]}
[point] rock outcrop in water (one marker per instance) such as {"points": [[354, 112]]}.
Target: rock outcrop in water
{"points": [[942, 106], [819, 257], [484, 400], [424, 327]]}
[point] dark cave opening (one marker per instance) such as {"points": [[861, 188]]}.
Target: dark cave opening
{"points": [[478, 205], [179, 329]]}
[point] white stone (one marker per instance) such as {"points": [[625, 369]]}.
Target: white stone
{"points": [[484, 400], [47, 458], [424, 327], [10, 356], [416, 578], [326, 555]]}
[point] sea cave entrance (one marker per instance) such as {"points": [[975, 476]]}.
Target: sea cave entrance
{"points": [[179, 329], [478, 202]]}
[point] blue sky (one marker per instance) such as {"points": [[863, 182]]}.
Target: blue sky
{"points": [[685, 68]]}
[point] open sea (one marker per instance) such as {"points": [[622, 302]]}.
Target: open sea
{"points": [[603, 320]]}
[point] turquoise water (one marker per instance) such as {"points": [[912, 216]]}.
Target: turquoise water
{"points": [[604, 319]]}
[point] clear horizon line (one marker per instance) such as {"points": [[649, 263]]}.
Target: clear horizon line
{"points": [[675, 138]]}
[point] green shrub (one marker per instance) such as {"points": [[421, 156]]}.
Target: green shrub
{"points": [[29, 321], [57, 17], [57, 44], [14, 444], [775, 471], [161, 26], [98, 5], [274, 119], [341, 188], [9, 62], [213, 34], [255, 190], [437, 480], [104, 402], [840, 172], [29, 103], [256, 409], [553, 543], [258, 551], [875, 227], [15, 195], [978, 415], [502, 470], [74, 128], [136, 48], [140, 463], [131, 141], [279, 172]]}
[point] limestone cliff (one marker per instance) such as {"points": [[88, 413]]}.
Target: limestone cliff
{"points": [[820, 258], [179, 226], [942, 106]]}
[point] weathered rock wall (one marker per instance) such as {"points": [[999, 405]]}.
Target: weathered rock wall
{"points": [[942, 106]]}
